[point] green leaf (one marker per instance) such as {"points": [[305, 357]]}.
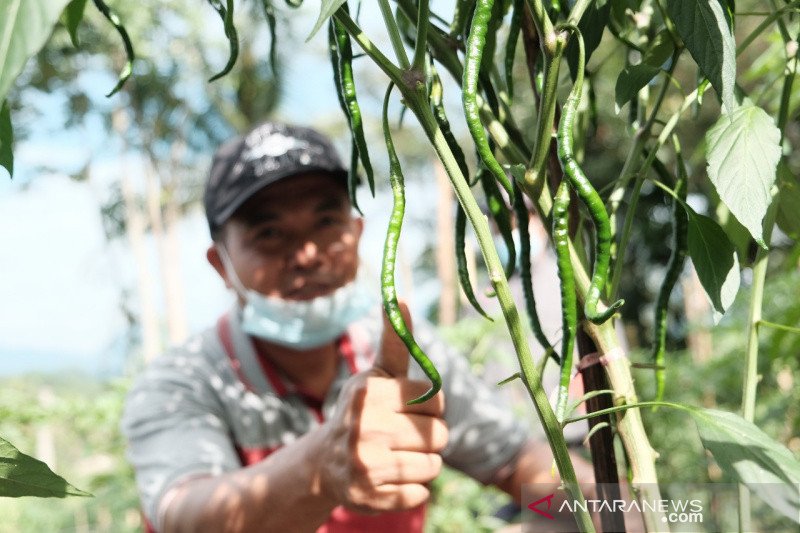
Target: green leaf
{"points": [[25, 25], [738, 234], [6, 139], [592, 25], [326, 11], [705, 29], [73, 15], [743, 153], [23, 475], [631, 80], [714, 259], [748, 454], [788, 217]]}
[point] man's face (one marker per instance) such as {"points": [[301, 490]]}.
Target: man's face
{"points": [[296, 239]]}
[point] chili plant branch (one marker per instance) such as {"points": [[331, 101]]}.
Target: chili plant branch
{"points": [[394, 34]]}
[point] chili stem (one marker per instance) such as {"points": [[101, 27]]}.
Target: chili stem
{"points": [[781, 327], [394, 34], [422, 36], [530, 374]]}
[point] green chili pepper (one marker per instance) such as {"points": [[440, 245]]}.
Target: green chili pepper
{"points": [[226, 14], [347, 88], [390, 303], [569, 305], [587, 194], [461, 261], [127, 70], [525, 272], [499, 211], [352, 174], [437, 105], [680, 228], [461, 16], [472, 66], [511, 45], [269, 14]]}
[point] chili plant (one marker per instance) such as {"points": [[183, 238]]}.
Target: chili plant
{"points": [[747, 157]]}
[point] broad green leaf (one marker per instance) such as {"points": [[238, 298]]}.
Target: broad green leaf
{"points": [[23, 475], [714, 259], [25, 25], [788, 216], [326, 11], [748, 454], [705, 29], [6, 139], [592, 25], [660, 49], [738, 234], [743, 153], [631, 80], [72, 17]]}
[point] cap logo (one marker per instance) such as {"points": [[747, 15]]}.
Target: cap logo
{"points": [[272, 145]]}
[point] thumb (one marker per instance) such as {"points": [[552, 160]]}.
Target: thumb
{"points": [[392, 355]]}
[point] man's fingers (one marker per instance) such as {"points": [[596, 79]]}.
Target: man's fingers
{"points": [[416, 433], [392, 357], [397, 497], [408, 467]]}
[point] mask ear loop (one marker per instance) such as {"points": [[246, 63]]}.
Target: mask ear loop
{"points": [[238, 286]]}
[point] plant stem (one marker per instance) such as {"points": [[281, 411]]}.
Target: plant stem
{"points": [[781, 327], [394, 34], [764, 23], [530, 374], [422, 36], [577, 11], [383, 62]]}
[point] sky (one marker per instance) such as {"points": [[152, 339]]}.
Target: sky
{"points": [[62, 281]]}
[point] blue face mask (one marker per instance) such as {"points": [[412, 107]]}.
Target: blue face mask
{"points": [[301, 324]]}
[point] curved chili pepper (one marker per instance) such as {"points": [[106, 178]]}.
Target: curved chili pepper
{"points": [[680, 229], [461, 16], [499, 211], [461, 261], [226, 13], [269, 14], [352, 173], [588, 196], [347, 88], [514, 30], [437, 106], [127, 70], [388, 291], [525, 272], [569, 305], [472, 66]]}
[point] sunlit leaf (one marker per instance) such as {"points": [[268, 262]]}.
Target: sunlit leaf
{"points": [[705, 29], [714, 259], [23, 475], [743, 153], [748, 454], [326, 11], [6, 139], [25, 25]]}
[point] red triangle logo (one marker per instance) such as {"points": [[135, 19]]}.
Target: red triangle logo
{"points": [[549, 500]]}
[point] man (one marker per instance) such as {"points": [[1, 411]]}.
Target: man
{"points": [[290, 414]]}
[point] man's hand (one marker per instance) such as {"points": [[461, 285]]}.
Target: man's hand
{"points": [[378, 452]]}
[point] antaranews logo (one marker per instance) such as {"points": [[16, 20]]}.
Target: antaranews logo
{"points": [[535, 506]]}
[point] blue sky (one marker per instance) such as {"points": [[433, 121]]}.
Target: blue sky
{"points": [[61, 282]]}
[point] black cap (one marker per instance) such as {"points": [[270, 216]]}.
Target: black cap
{"points": [[267, 153]]}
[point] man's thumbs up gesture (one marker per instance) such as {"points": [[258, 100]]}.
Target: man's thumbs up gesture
{"points": [[382, 452]]}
